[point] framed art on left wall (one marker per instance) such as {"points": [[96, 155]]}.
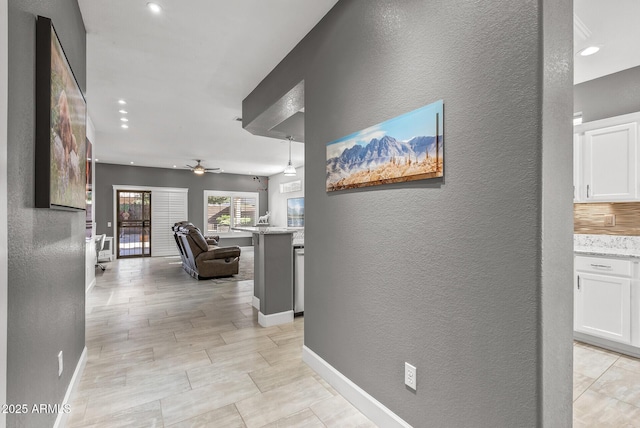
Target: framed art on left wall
{"points": [[61, 115]]}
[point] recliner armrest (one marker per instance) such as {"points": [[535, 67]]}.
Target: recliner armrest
{"points": [[219, 253], [212, 239]]}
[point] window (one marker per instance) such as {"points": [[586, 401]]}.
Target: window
{"points": [[226, 210], [292, 186]]}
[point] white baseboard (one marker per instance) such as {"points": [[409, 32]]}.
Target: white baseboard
{"points": [[275, 319], [93, 283], [61, 420], [607, 344], [369, 406], [256, 303]]}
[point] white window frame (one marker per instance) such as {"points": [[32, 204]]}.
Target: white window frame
{"points": [[232, 233]]}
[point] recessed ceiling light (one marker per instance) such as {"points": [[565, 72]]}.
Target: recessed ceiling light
{"points": [[124, 125], [155, 7], [123, 111], [124, 119], [122, 102], [131, 162], [175, 166], [589, 51]]}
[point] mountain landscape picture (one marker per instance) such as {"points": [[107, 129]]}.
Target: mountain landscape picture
{"points": [[406, 148]]}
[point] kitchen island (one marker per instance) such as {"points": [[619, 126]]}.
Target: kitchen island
{"points": [[273, 274]]}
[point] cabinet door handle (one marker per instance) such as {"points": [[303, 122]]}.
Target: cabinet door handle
{"points": [[587, 190], [578, 282], [600, 266]]}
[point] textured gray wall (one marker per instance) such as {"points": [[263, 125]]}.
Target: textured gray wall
{"points": [[3, 204], [608, 96], [46, 303], [109, 174], [447, 274], [556, 221]]}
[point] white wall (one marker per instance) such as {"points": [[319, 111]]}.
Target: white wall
{"points": [[3, 204], [278, 201]]}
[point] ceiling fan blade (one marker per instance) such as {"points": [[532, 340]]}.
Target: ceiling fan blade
{"points": [[189, 166]]}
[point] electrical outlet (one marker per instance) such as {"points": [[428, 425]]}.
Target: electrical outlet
{"points": [[609, 219], [108, 224], [410, 376], [60, 365]]}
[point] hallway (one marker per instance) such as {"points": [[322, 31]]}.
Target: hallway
{"points": [[165, 350]]}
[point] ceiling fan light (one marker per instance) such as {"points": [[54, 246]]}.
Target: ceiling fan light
{"points": [[198, 171]]}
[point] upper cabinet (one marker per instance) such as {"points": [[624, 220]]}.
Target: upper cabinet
{"points": [[606, 160]]}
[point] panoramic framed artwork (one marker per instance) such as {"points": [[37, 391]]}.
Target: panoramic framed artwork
{"points": [[406, 148], [61, 113], [295, 212]]}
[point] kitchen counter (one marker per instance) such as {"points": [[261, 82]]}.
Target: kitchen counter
{"points": [[607, 252], [607, 246], [298, 233], [606, 287], [265, 230]]}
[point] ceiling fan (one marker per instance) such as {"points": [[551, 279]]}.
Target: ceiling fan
{"points": [[199, 169]]}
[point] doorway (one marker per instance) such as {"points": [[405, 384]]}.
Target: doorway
{"points": [[134, 223]]}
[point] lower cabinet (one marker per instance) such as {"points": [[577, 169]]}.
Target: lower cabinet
{"points": [[604, 293], [603, 306]]}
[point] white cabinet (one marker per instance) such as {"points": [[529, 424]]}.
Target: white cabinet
{"points": [[603, 306], [606, 160], [604, 293], [610, 166]]}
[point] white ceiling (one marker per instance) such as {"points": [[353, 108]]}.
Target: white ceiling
{"points": [[613, 26], [185, 72]]}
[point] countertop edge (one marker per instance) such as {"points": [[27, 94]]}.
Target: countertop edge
{"points": [[605, 253]]}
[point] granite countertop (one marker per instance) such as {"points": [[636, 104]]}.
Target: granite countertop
{"points": [[608, 252], [267, 230], [607, 245]]}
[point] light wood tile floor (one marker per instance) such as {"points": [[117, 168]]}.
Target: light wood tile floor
{"points": [[606, 388], [166, 350]]}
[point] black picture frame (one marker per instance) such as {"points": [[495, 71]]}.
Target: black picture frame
{"points": [[61, 126]]}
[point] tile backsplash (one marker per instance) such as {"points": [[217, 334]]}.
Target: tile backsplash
{"points": [[590, 218]]}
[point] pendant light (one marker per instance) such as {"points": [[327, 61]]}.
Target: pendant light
{"points": [[289, 170]]}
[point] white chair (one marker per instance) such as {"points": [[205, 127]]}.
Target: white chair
{"points": [[99, 247]]}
